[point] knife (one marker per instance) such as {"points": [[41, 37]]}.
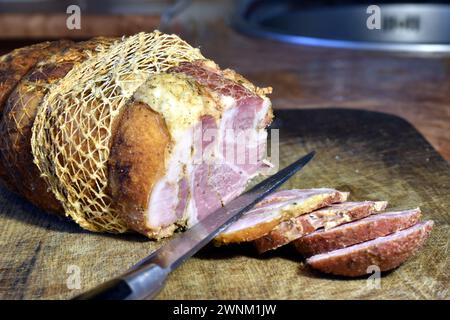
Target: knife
{"points": [[147, 277]]}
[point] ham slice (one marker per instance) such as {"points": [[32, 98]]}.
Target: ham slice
{"points": [[278, 207], [384, 252], [356, 232], [328, 217]]}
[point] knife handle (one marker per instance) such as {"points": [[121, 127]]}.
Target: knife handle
{"points": [[116, 289], [140, 283]]}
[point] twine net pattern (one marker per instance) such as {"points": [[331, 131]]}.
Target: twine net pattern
{"points": [[20, 111], [72, 132]]}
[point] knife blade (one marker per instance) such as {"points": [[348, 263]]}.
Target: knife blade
{"points": [[146, 278]]}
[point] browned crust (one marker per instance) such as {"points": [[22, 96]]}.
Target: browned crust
{"points": [[350, 234], [13, 67], [137, 162], [248, 234], [295, 228], [18, 119], [261, 229], [386, 255], [284, 233]]}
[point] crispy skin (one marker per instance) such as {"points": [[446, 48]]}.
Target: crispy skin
{"points": [[18, 119], [13, 67], [385, 252], [297, 227], [353, 233], [137, 162]]}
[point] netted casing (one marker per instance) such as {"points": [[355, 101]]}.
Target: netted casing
{"points": [[73, 129], [20, 111]]}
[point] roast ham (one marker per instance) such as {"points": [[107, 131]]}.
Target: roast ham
{"points": [[356, 232], [205, 166], [328, 217], [141, 133], [276, 208], [383, 253]]}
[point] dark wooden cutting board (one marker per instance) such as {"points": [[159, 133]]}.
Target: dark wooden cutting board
{"points": [[375, 156]]}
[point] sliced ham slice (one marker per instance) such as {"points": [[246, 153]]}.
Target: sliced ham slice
{"points": [[334, 215], [384, 252], [356, 232], [276, 208]]}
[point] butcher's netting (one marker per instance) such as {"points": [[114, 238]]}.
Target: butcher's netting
{"points": [[72, 132], [21, 110]]}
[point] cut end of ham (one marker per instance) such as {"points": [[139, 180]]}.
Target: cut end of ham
{"points": [[356, 232], [217, 125], [328, 217], [276, 208], [385, 253]]}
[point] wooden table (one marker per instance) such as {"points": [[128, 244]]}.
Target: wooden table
{"points": [[44, 257], [411, 85]]}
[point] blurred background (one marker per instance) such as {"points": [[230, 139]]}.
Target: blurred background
{"points": [[388, 56]]}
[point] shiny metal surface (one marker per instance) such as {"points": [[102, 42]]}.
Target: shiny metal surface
{"points": [[404, 27], [176, 251], [147, 277]]}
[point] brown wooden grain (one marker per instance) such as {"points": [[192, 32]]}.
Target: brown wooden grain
{"points": [[388, 161]]}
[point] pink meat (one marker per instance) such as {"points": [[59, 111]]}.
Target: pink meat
{"points": [[283, 196], [227, 181], [208, 139], [216, 81], [183, 194], [245, 117], [166, 202], [385, 253], [212, 177], [265, 212], [206, 200]]}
